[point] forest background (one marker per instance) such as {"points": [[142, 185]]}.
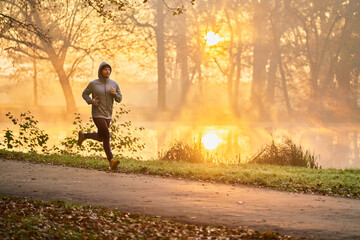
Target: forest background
{"points": [[271, 60]]}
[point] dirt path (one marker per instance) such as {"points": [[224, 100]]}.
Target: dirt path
{"points": [[187, 201]]}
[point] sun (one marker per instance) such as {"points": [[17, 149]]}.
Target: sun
{"points": [[210, 141], [212, 38]]}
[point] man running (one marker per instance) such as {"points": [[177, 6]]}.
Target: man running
{"points": [[103, 93]]}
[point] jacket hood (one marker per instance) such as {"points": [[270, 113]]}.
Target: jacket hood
{"points": [[102, 65]]}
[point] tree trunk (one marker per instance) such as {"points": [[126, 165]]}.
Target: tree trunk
{"points": [[260, 57], [230, 77], [231, 64], [36, 102], [65, 84], [356, 88], [284, 86], [160, 50], [198, 61], [277, 57], [276, 24], [276, 61], [175, 85], [343, 76], [182, 57], [270, 86], [237, 79], [200, 80]]}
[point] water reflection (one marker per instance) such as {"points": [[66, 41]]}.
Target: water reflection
{"points": [[337, 146]]}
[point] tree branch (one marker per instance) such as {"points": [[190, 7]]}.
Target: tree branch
{"points": [[37, 56], [221, 70], [29, 27], [26, 43]]}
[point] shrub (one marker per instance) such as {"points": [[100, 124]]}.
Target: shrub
{"points": [[196, 153], [29, 137], [181, 151], [285, 153]]}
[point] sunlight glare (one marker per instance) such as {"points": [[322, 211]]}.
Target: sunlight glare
{"points": [[212, 38], [210, 141]]}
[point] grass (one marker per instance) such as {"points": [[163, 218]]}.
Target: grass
{"points": [[285, 153], [333, 182], [29, 219]]}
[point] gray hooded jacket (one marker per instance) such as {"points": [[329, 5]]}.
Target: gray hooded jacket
{"points": [[100, 88]]}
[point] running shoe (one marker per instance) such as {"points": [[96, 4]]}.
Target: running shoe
{"points": [[113, 164]]}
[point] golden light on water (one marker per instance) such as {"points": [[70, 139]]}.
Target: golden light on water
{"points": [[212, 38], [210, 141]]}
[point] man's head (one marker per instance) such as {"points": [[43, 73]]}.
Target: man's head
{"points": [[106, 71]]}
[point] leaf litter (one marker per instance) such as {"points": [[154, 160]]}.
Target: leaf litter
{"points": [[22, 218]]}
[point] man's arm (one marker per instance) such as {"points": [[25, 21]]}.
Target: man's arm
{"points": [[118, 95], [86, 93]]}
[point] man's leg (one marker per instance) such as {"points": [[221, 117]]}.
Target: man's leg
{"points": [[92, 135], [107, 147], [104, 134], [83, 136]]}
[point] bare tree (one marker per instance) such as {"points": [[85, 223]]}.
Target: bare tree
{"points": [[323, 40], [50, 30]]}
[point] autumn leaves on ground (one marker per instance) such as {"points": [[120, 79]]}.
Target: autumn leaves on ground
{"points": [[23, 219]]}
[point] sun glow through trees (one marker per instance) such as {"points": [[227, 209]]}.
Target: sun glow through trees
{"points": [[210, 141], [212, 38]]}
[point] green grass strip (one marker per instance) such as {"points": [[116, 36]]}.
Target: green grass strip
{"points": [[335, 182]]}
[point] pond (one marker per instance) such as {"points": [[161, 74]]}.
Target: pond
{"points": [[337, 146]]}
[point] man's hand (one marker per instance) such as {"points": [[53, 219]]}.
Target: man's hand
{"points": [[112, 91], [95, 101]]}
